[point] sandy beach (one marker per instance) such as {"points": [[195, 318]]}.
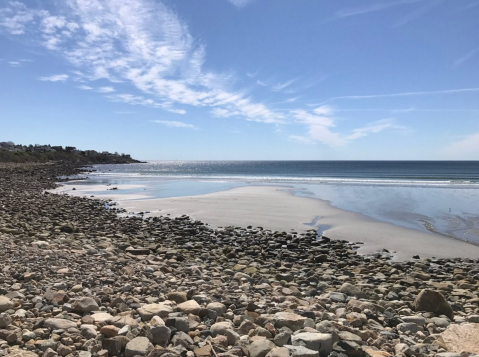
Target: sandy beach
{"points": [[276, 208]]}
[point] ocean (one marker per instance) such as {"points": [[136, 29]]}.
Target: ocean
{"points": [[435, 196]]}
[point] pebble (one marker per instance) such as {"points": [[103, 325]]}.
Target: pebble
{"points": [[79, 280]]}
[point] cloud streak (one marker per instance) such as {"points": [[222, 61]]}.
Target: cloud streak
{"points": [[175, 124], [279, 87], [55, 78], [464, 59], [240, 3], [381, 6], [354, 11], [408, 94], [427, 7], [106, 89]]}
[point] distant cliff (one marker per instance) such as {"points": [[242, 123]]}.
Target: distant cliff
{"points": [[10, 152]]}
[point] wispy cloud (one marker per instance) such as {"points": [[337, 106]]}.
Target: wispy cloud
{"points": [[362, 10], [141, 43], [84, 87], [407, 110], [55, 78], [422, 10], [292, 99], [175, 124], [139, 100], [409, 94], [427, 6], [467, 148], [321, 126], [106, 89], [14, 64], [252, 111], [240, 3], [464, 58], [301, 139], [279, 87], [374, 127]]}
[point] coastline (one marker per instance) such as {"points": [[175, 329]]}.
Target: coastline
{"points": [[115, 283], [277, 208]]}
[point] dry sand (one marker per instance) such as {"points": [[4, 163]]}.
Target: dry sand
{"points": [[276, 208]]}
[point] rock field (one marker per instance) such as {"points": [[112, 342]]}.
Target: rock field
{"points": [[76, 279]]}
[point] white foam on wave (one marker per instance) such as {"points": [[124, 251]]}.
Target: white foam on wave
{"points": [[288, 179]]}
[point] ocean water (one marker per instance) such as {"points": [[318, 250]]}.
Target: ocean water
{"points": [[437, 196]]}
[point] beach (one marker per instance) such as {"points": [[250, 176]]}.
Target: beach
{"points": [[83, 276], [276, 208]]}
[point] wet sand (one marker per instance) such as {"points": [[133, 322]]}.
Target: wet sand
{"points": [[276, 208]]}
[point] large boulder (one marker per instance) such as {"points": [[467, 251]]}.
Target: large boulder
{"points": [[220, 328], [88, 331], [278, 352], [160, 334], [179, 323], [348, 348], [115, 345], [189, 307], [358, 305], [217, 307], [182, 339], [260, 348], [5, 320], [59, 324], [322, 342], [5, 304], [204, 351], [85, 304], [122, 321], [109, 331], [352, 290], [370, 352], [177, 296], [148, 311], [461, 338], [408, 327], [139, 346], [101, 317], [288, 319], [433, 301], [21, 353], [300, 351]]}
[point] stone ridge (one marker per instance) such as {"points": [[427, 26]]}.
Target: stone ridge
{"points": [[77, 280]]}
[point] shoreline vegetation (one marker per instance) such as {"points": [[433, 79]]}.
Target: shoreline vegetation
{"points": [[76, 279], [9, 152]]}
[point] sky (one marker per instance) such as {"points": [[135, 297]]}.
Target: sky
{"points": [[243, 79]]}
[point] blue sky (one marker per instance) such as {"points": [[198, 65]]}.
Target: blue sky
{"points": [[243, 79]]}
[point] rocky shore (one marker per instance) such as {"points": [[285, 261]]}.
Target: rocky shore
{"points": [[78, 280]]}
